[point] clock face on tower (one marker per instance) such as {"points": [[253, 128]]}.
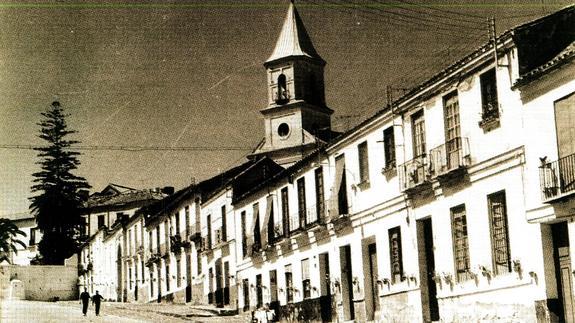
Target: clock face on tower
{"points": [[283, 130]]}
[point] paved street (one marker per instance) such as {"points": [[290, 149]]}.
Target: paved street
{"points": [[30, 311]]}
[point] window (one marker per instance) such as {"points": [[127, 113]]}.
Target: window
{"points": [[341, 185], [150, 242], [130, 278], [489, 102], [395, 254], [285, 210], [452, 130], [305, 278], [270, 233], [101, 221], [282, 93], [187, 219], [167, 277], [460, 243], [198, 214], [224, 224], [33, 236], [244, 234], [273, 286], [499, 233], [167, 231], [363, 163], [289, 284], [418, 130], [178, 273], [151, 283], [319, 194], [158, 239], [389, 148], [256, 225], [209, 228], [177, 217], [199, 262], [301, 204]]}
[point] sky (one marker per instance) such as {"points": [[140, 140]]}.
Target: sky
{"points": [[190, 74]]}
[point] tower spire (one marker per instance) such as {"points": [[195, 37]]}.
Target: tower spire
{"points": [[294, 39]]}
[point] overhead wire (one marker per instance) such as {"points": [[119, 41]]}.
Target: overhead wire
{"points": [[370, 16], [442, 10], [422, 18]]}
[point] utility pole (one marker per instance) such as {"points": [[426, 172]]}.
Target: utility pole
{"points": [[492, 34]]}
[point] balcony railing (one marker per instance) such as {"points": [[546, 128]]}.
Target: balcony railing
{"points": [[557, 178], [451, 156], [414, 173]]}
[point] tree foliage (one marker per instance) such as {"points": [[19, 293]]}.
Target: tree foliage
{"points": [[58, 202], [9, 233]]}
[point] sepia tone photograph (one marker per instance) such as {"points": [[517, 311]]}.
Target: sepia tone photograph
{"points": [[287, 161]]}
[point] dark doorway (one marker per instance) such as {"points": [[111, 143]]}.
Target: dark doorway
{"points": [[428, 288], [219, 295], [370, 276], [346, 282], [562, 260], [246, 290], [210, 286], [189, 278], [119, 275], [226, 283], [324, 286], [274, 303], [259, 291]]}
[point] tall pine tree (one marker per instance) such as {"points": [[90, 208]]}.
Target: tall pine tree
{"points": [[58, 202]]}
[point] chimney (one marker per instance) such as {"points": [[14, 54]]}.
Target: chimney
{"points": [[168, 190], [84, 195]]}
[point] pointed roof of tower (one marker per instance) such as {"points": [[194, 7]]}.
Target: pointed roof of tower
{"points": [[294, 39]]}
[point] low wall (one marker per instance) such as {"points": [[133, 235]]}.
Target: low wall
{"points": [[41, 283]]}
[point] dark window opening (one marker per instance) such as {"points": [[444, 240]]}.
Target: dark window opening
{"points": [[389, 148], [489, 101], [285, 210], [418, 130], [302, 210], [319, 194]]}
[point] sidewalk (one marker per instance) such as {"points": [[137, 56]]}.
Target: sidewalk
{"points": [[196, 313]]}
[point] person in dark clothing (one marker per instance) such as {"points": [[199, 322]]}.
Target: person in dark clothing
{"points": [[96, 299], [85, 298]]}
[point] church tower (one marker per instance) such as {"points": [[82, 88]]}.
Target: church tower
{"points": [[296, 118]]}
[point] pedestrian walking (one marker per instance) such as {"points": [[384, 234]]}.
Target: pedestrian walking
{"points": [[96, 299], [85, 299]]}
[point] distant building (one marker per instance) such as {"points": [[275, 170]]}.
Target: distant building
{"points": [[27, 224]]}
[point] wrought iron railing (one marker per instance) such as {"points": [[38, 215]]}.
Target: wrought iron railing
{"points": [[452, 155], [413, 173], [557, 178]]}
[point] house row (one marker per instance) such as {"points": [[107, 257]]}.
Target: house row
{"points": [[454, 203]]}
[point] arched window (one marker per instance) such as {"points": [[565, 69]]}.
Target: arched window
{"points": [[282, 93]]}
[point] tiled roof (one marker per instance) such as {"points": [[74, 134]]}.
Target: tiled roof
{"points": [[294, 39], [127, 197], [565, 56]]}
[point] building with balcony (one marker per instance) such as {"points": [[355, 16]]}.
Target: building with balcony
{"points": [[434, 206]]}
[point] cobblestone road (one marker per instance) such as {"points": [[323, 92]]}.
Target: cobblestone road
{"points": [[30, 311]]}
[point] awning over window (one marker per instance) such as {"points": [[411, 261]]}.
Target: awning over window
{"points": [[251, 236], [339, 170], [267, 217]]}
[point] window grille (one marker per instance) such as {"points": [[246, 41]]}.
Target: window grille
{"points": [[395, 254], [499, 233], [460, 243], [418, 129]]}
